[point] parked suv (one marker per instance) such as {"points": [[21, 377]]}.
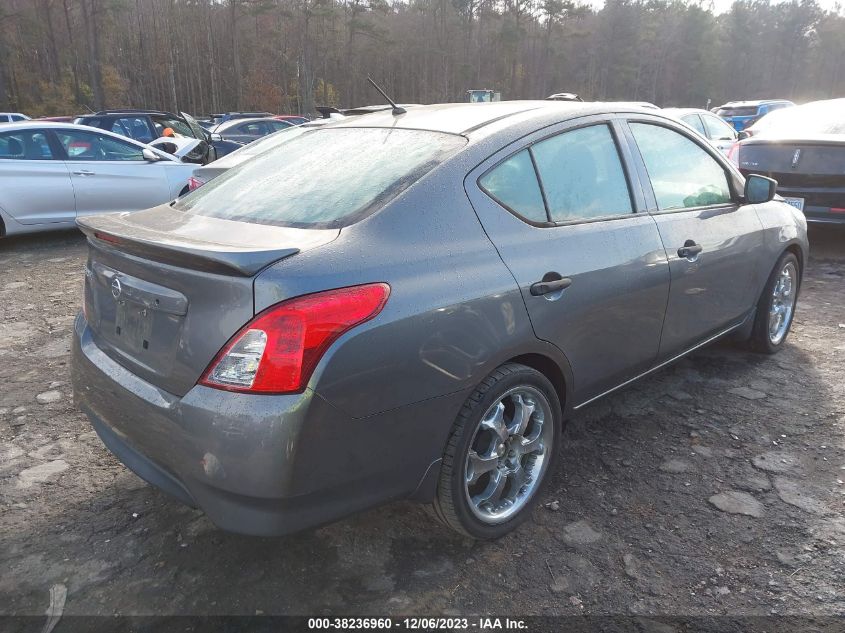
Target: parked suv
{"points": [[147, 125], [741, 114]]}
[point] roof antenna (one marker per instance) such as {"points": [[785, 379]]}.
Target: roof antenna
{"points": [[396, 109]]}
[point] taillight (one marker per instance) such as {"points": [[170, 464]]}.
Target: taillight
{"points": [[111, 239], [195, 183], [278, 350], [733, 154]]}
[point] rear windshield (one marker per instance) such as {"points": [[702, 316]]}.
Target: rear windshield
{"points": [[743, 111], [323, 178], [817, 117]]}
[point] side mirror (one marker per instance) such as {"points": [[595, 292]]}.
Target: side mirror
{"points": [[150, 155], [215, 137], [759, 189], [743, 135]]}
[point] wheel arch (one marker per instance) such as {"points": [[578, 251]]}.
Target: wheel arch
{"points": [[551, 370], [544, 358], [796, 250], [3, 228]]}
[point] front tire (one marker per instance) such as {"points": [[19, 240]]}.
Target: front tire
{"points": [[502, 448], [776, 307]]}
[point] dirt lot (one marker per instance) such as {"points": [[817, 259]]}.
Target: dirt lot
{"points": [[636, 529]]}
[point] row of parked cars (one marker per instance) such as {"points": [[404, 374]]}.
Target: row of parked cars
{"points": [[58, 169], [121, 160]]}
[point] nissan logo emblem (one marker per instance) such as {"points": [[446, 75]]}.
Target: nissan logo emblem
{"points": [[116, 288]]}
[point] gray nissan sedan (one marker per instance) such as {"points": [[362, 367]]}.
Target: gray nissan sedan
{"points": [[408, 306]]}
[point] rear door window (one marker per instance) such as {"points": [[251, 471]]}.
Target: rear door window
{"points": [[682, 173], [513, 184], [323, 178], [25, 145], [581, 174]]}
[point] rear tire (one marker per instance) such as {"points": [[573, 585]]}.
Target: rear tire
{"points": [[502, 448], [776, 306]]}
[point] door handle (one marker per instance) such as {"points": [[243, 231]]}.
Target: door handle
{"points": [[83, 172], [545, 287], [690, 250]]}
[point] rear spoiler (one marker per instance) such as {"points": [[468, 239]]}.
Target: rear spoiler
{"points": [[327, 111], [201, 250]]}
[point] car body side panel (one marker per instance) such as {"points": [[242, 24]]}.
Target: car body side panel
{"points": [[784, 227], [252, 468], [608, 322], [177, 175], [454, 311], [37, 191], [10, 226], [716, 290], [105, 186]]}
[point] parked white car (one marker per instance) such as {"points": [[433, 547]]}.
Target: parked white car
{"points": [[52, 173], [710, 126], [11, 117]]}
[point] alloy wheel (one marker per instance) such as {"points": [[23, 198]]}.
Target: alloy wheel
{"points": [[782, 303], [508, 454]]}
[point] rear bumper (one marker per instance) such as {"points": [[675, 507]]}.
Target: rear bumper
{"points": [[821, 204], [261, 465]]}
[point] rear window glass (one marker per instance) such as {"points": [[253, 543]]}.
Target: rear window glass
{"points": [[513, 183], [817, 117], [742, 111], [25, 145], [324, 178]]}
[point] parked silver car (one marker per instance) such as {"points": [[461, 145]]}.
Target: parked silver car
{"points": [[249, 130], [53, 173], [710, 126], [409, 306]]}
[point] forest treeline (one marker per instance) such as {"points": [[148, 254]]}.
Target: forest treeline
{"points": [[201, 56]]}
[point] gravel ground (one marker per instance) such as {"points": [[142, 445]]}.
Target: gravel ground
{"points": [[713, 487]]}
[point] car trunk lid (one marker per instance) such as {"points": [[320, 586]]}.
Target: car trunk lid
{"points": [[165, 290], [783, 159]]}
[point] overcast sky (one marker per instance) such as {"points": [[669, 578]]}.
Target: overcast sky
{"points": [[720, 6]]}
